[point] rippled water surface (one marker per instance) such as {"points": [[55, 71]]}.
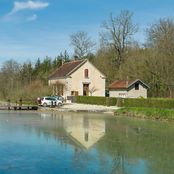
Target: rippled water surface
{"points": [[81, 143]]}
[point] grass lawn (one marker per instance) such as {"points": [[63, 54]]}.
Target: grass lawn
{"points": [[151, 113]]}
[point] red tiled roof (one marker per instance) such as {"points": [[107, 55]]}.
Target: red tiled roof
{"points": [[121, 84], [65, 69]]}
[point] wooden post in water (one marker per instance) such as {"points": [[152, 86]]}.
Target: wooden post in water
{"points": [[8, 104], [20, 104], [15, 107]]}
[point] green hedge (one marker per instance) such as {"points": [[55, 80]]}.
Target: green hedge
{"points": [[127, 102], [106, 101], [150, 102]]}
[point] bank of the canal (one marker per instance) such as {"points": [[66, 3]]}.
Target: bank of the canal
{"points": [[148, 113], [166, 114], [76, 107]]}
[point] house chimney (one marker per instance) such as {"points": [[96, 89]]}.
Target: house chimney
{"points": [[76, 58]]}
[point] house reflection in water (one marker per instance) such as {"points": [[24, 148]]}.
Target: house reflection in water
{"points": [[84, 131]]}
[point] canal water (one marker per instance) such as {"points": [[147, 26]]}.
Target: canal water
{"points": [[83, 143]]}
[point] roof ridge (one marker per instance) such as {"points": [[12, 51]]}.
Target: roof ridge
{"points": [[67, 68], [123, 84], [72, 61]]}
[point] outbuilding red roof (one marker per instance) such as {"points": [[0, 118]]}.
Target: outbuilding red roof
{"points": [[66, 68], [124, 84], [121, 84]]}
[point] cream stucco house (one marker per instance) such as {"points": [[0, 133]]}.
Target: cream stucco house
{"points": [[128, 89], [78, 77]]}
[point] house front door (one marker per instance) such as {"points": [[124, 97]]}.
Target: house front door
{"points": [[85, 89]]}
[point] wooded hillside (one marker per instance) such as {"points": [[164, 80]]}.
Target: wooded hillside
{"points": [[119, 56]]}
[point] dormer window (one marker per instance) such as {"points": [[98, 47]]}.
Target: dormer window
{"points": [[86, 73], [136, 86]]}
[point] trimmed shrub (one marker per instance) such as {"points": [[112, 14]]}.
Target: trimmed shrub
{"points": [[111, 101], [106, 101], [150, 102], [91, 100], [127, 102]]}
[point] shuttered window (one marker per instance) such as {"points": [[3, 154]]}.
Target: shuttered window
{"points": [[86, 73]]}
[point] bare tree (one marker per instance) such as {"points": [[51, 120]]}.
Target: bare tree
{"points": [[82, 44], [118, 34], [10, 73], [92, 90], [161, 40], [161, 36]]}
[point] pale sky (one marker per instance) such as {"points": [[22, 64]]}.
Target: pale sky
{"points": [[37, 28]]}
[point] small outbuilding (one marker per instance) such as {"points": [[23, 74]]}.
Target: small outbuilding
{"points": [[128, 89]]}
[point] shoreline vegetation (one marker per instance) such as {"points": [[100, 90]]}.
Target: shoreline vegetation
{"points": [[162, 114], [151, 108]]}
